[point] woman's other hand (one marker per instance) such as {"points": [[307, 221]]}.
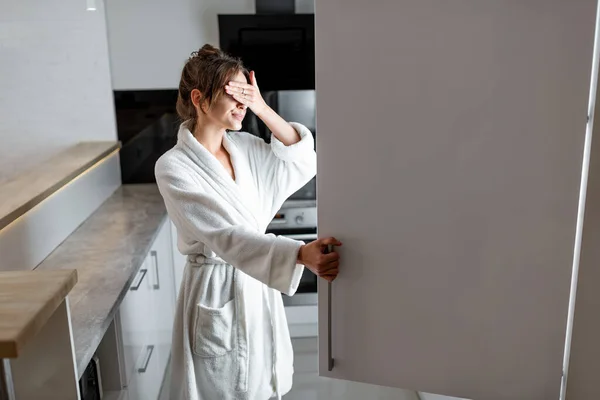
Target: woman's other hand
{"points": [[314, 256], [247, 94]]}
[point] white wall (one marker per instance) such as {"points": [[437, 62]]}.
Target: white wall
{"points": [[54, 80], [150, 40]]}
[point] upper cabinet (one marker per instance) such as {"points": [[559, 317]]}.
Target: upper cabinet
{"points": [[450, 150]]}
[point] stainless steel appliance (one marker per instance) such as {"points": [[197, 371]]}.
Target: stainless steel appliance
{"points": [[297, 219], [279, 45], [294, 106]]}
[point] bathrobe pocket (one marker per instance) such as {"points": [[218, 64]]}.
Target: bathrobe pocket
{"points": [[214, 330]]}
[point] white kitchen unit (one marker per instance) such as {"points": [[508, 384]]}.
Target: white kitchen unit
{"points": [[163, 285], [146, 320], [450, 150]]}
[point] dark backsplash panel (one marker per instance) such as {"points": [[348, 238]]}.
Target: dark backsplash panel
{"points": [[147, 125]]}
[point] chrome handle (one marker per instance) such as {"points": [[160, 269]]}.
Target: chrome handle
{"points": [[330, 360], [154, 255], [143, 272], [150, 350]]}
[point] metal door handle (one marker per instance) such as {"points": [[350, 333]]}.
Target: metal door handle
{"points": [[150, 350], [330, 360], [143, 272], [154, 255]]}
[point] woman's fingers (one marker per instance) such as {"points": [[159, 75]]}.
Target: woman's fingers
{"points": [[329, 258], [240, 87], [241, 99], [247, 94], [330, 241], [253, 79], [329, 265], [238, 90], [247, 98], [238, 84], [331, 275], [322, 264]]}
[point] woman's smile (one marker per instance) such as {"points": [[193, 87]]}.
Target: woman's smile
{"points": [[239, 115]]}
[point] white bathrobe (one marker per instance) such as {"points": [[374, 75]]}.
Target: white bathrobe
{"points": [[230, 338]]}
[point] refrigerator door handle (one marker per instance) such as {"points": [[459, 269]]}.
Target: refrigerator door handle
{"points": [[330, 360]]}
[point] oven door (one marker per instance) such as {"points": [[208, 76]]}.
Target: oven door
{"points": [[307, 289]]}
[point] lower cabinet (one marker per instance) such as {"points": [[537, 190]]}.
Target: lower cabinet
{"points": [[146, 320], [163, 298], [147, 379]]}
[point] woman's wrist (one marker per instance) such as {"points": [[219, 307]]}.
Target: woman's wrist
{"points": [[262, 112], [281, 129], [300, 254]]}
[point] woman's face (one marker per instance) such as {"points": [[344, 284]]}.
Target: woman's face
{"points": [[226, 112]]}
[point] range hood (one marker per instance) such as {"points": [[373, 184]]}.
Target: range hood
{"points": [[275, 42], [270, 7]]}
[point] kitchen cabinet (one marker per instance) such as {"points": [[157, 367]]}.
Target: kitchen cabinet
{"points": [[450, 152], [137, 324], [146, 319], [163, 287]]}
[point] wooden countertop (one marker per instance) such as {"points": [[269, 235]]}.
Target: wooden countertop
{"points": [[27, 301], [27, 190]]}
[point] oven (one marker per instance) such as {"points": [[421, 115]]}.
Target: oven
{"points": [[298, 220]]}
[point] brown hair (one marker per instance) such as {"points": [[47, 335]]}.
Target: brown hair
{"points": [[207, 70]]}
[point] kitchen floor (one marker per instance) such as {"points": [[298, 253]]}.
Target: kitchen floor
{"points": [[309, 386]]}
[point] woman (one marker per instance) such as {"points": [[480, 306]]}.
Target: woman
{"points": [[222, 189]]}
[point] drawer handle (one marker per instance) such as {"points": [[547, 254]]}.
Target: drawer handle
{"points": [[154, 255], [150, 350], [143, 272]]}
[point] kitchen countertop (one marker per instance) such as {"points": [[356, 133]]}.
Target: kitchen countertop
{"points": [[27, 190], [107, 250], [27, 301]]}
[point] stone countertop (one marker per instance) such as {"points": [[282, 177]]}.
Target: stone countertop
{"points": [[107, 250]]}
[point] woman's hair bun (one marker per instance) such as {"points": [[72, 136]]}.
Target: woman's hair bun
{"points": [[208, 70], [206, 52]]}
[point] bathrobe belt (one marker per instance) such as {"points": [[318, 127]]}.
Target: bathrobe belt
{"points": [[201, 259]]}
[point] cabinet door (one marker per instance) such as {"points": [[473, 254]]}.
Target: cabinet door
{"points": [[137, 319], [148, 376], [163, 294], [450, 147]]}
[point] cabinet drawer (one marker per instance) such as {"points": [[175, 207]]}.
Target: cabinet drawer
{"points": [[137, 319], [147, 377]]}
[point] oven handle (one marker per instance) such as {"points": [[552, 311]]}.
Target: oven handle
{"points": [[303, 236]]}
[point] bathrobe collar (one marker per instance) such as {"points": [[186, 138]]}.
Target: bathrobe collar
{"points": [[217, 175]]}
